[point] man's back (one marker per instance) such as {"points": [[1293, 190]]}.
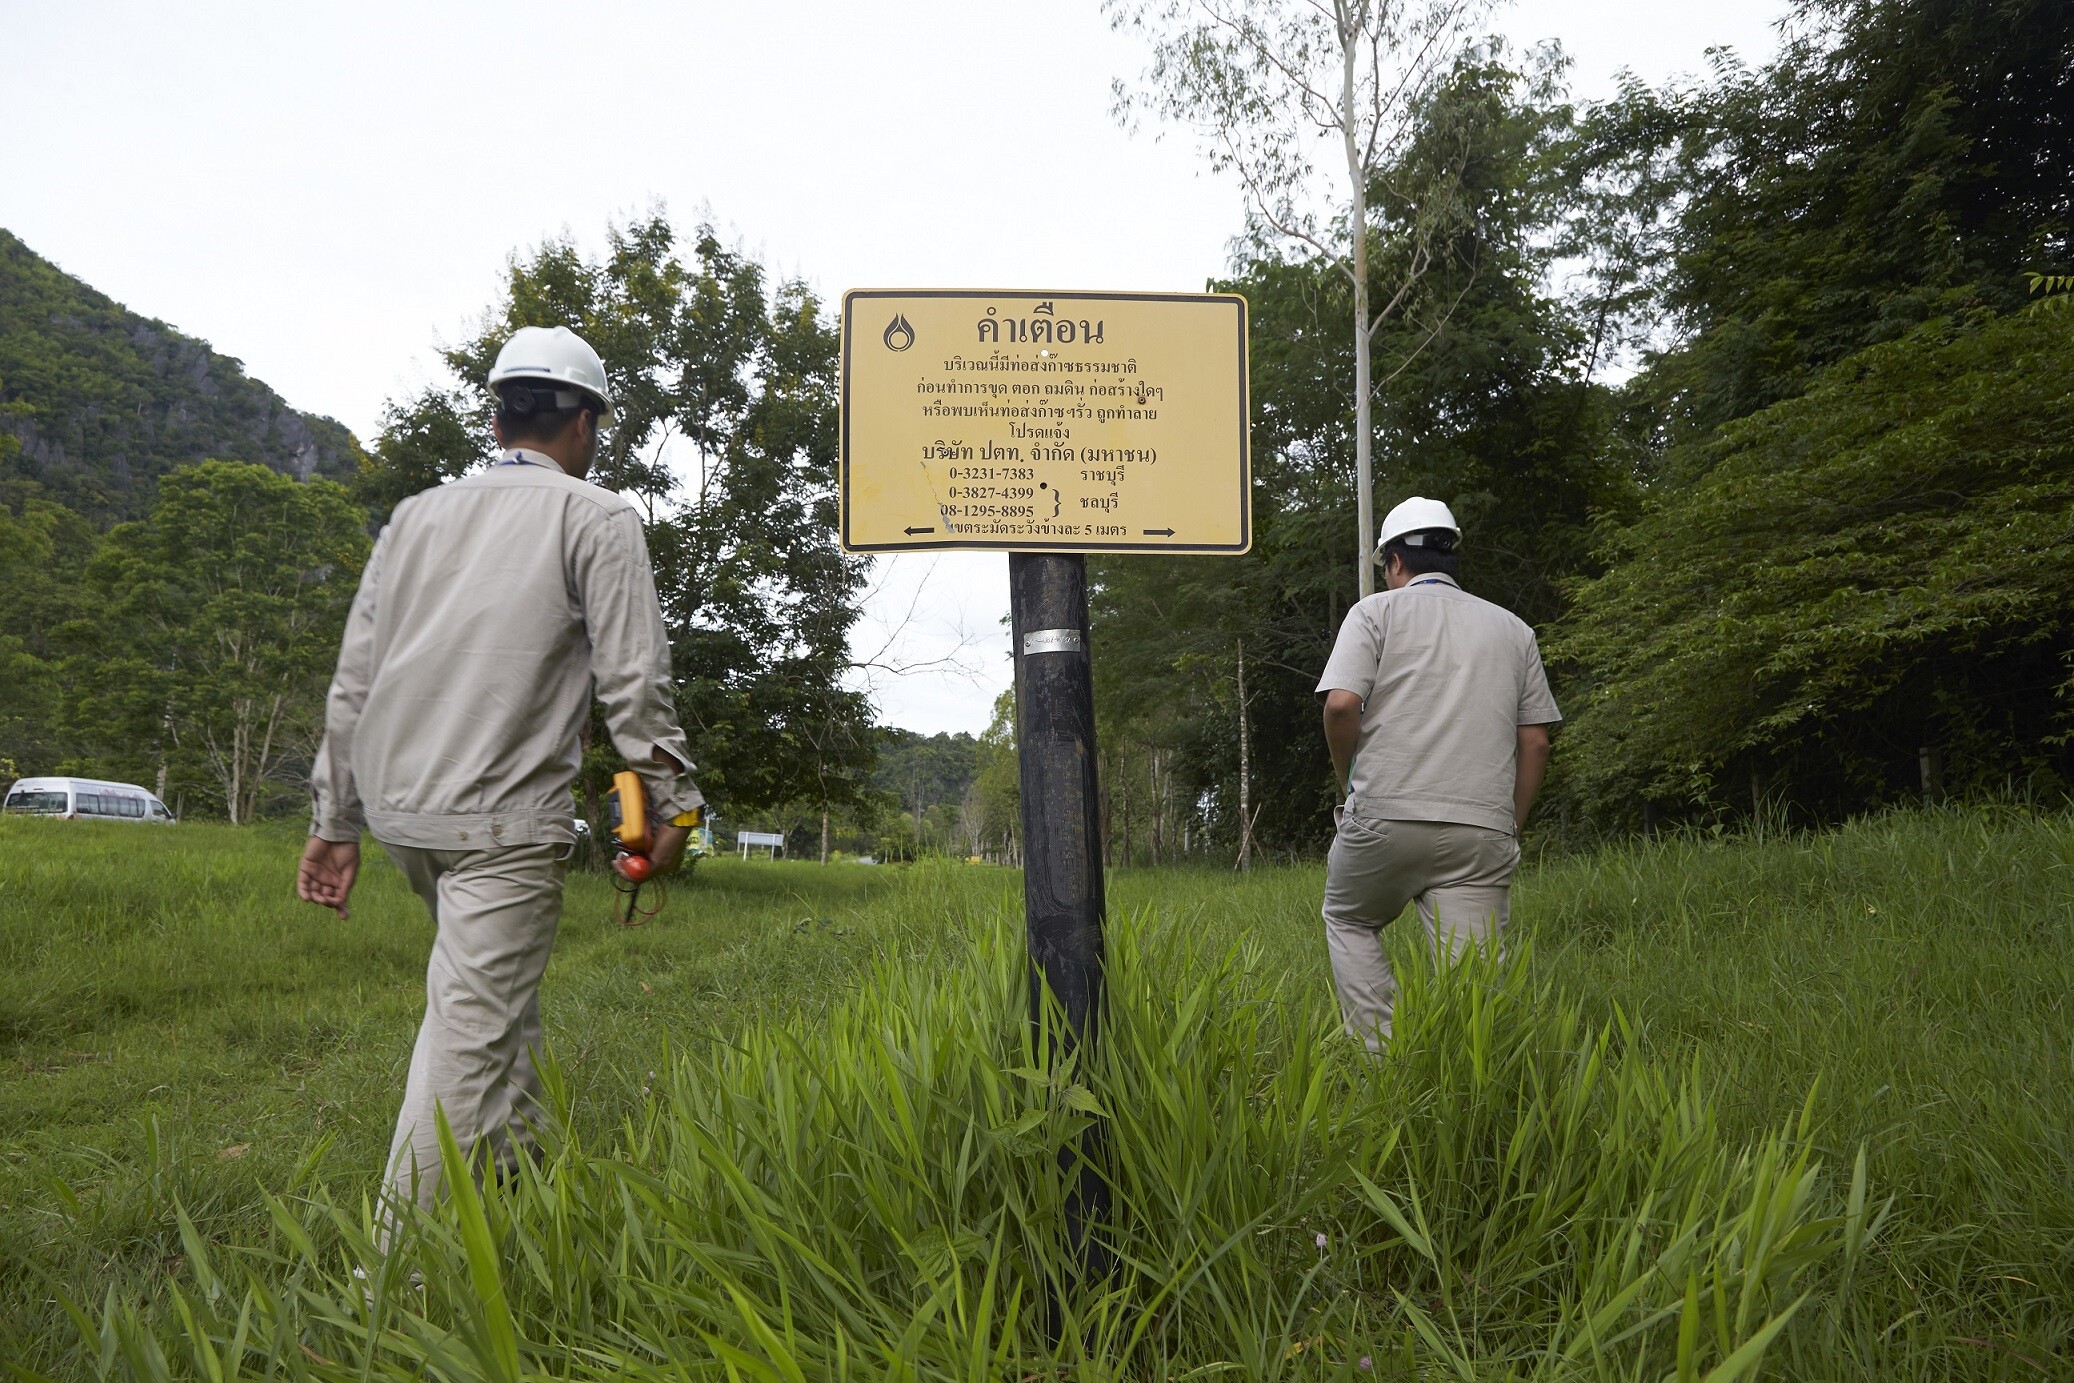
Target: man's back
{"points": [[492, 604], [1446, 680]]}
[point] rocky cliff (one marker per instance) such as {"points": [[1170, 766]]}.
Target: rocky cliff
{"points": [[104, 401]]}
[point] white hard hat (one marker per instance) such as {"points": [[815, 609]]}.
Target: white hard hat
{"points": [[1416, 516], [553, 354]]}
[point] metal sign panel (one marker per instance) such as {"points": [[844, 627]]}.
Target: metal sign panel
{"points": [[1024, 421]]}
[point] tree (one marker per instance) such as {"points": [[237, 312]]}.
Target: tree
{"points": [[44, 548], [1265, 83], [1894, 163], [1862, 582], [725, 434], [1831, 415], [926, 778], [216, 621], [991, 814]]}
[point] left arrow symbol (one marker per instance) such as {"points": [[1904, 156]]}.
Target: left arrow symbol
{"points": [[912, 531]]}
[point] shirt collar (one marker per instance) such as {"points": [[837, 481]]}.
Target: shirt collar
{"points": [[1429, 577], [519, 456]]}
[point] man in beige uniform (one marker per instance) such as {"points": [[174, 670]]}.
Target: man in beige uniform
{"points": [[1437, 712], [490, 613]]}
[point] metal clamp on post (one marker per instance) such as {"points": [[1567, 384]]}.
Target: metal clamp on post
{"points": [[1053, 641]]}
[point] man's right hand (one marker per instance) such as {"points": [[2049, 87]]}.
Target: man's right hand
{"points": [[667, 851], [326, 872]]}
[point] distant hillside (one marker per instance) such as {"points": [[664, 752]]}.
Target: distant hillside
{"points": [[115, 400]]}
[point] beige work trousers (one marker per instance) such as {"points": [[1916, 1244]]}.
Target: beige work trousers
{"points": [[495, 912], [1460, 876]]}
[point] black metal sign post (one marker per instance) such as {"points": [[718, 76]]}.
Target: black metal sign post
{"points": [[1062, 844]]}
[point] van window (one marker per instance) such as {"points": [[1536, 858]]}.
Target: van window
{"points": [[39, 800]]}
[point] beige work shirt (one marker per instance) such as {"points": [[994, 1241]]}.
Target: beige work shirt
{"points": [[1445, 682], [491, 611]]}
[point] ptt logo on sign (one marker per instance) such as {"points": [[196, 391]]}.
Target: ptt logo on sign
{"points": [[1045, 421]]}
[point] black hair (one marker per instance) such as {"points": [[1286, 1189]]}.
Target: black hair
{"points": [[1434, 553], [526, 411]]}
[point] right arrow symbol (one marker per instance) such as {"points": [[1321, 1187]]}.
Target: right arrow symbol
{"points": [[1159, 532]]}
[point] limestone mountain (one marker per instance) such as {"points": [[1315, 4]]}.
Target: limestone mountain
{"points": [[103, 401]]}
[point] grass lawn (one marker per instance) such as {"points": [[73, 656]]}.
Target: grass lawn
{"points": [[800, 1126]]}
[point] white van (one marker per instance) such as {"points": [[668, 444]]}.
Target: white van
{"points": [[85, 799]]}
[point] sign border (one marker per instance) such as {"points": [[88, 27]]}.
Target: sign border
{"points": [[1245, 363]]}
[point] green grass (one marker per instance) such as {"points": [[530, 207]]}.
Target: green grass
{"points": [[844, 1165]]}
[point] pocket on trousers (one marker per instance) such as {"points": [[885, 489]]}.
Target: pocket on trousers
{"points": [[1362, 828], [1503, 846]]}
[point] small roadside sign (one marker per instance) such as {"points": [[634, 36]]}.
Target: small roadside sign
{"points": [[1027, 421]]}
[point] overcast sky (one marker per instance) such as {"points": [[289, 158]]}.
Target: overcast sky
{"points": [[324, 191]]}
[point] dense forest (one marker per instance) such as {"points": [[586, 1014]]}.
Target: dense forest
{"points": [[1738, 390], [1742, 389]]}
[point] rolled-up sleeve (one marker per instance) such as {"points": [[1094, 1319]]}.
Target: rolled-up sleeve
{"points": [[335, 810], [630, 656]]}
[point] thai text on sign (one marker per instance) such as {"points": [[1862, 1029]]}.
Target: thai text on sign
{"points": [[1032, 421]]}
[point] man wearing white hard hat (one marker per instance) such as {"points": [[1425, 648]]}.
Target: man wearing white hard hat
{"points": [[1438, 714], [491, 612]]}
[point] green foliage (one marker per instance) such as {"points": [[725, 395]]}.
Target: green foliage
{"points": [[427, 441], [992, 815], [1879, 565], [215, 622], [1893, 164], [927, 778], [1812, 254], [732, 380], [44, 549], [2053, 291], [109, 401]]}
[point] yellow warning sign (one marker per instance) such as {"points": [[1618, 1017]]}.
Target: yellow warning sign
{"points": [[1025, 421]]}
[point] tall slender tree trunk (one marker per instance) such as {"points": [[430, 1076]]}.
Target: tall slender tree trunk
{"points": [[824, 833], [234, 794], [1245, 771], [1126, 816], [1157, 833], [1108, 840], [1364, 465]]}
